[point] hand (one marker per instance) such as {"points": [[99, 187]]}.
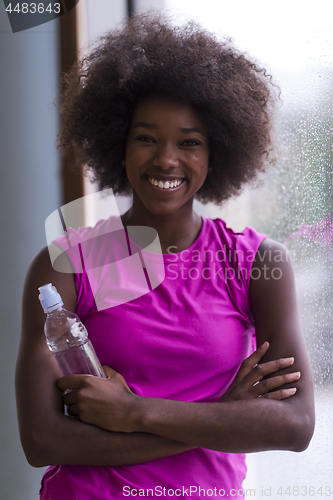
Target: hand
{"points": [[105, 402], [248, 383]]}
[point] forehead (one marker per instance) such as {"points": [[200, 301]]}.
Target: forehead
{"points": [[158, 110]]}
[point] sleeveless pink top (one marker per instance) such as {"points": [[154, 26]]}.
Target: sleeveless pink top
{"points": [[183, 339]]}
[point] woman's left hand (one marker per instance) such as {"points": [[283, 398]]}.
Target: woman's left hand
{"points": [[250, 383], [105, 402]]}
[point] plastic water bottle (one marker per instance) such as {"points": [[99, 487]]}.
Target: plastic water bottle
{"points": [[67, 337]]}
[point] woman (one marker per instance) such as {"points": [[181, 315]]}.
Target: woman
{"points": [[169, 114]]}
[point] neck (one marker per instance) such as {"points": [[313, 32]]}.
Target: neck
{"points": [[177, 230]]}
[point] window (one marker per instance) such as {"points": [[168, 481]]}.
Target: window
{"points": [[294, 42]]}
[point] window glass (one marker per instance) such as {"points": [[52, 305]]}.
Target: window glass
{"points": [[294, 204]]}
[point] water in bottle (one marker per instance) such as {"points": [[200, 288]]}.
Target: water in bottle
{"points": [[67, 337]]}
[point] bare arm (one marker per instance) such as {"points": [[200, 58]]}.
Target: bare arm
{"points": [[47, 435], [232, 426]]}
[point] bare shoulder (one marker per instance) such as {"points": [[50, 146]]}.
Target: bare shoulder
{"points": [[272, 283], [272, 265], [269, 244], [41, 272], [272, 252]]}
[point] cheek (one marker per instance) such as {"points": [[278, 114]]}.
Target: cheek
{"points": [[204, 164], [201, 158], [137, 157]]}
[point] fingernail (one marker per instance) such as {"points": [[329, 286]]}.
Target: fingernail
{"points": [[290, 392], [265, 344], [289, 360]]}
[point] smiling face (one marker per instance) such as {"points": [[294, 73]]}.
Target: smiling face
{"points": [[167, 155]]}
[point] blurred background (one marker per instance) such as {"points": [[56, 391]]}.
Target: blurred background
{"points": [[292, 203]]}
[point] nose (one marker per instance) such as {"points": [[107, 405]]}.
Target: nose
{"points": [[166, 157]]}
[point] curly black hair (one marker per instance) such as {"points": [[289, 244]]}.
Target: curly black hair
{"points": [[147, 56]]}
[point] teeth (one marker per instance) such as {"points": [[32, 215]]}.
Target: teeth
{"points": [[165, 185]]}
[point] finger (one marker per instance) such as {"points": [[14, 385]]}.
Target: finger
{"points": [[269, 384], [109, 372], [282, 394], [262, 370], [70, 398], [73, 411], [71, 381], [116, 376], [256, 356], [251, 361]]}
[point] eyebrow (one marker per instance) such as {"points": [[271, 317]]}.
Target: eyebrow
{"points": [[145, 125], [191, 130], [183, 130]]}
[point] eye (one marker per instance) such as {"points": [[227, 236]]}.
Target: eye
{"points": [[191, 142], [145, 138]]}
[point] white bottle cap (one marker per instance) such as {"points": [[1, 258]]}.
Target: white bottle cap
{"points": [[49, 298]]}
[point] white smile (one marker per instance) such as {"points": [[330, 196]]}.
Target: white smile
{"points": [[165, 185]]}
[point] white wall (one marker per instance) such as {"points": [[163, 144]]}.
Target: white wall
{"points": [[30, 191], [141, 5]]}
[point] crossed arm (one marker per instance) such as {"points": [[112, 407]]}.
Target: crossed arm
{"points": [[128, 429]]}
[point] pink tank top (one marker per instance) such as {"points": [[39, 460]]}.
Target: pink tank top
{"points": [[183, 339]]}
